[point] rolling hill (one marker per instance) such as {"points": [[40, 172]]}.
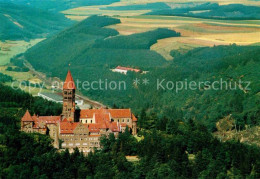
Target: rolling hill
{"points": [[59, 5], [19, 22], [91, 44], [149, 6], [213, 11], [97, 54], [93, 49]]}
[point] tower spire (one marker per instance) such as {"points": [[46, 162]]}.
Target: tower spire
{"points": [[69, 89], [69, 82]]}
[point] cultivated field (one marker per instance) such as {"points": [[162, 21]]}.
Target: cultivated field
{"points": [[196, 32], [8, 49], [81, 13], [19, 77]]}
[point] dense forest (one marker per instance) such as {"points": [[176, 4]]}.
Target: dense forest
{"points": [[174, 149], [213, 11], [148, 6], [92, 60], [5, 78], [59, 5], [90, 45], [175, 127], [19, 22]]}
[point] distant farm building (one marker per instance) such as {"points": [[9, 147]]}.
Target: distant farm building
{"points": [[124, 70]]}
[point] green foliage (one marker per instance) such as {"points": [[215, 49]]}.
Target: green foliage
{"points": [[18, 69], [89, 45], [5, 78], [230, 64], [213, 11], [149, 6], [136, 41], [19, 22], [20, 99], [59, 5], [125, 143], [161, 154]]}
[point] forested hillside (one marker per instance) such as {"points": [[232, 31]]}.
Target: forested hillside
{"points": [[96, 49], [178, 149], [227, 63], [89, 45], [149, 6], [213, 11], [19, 22], [59, 5]]}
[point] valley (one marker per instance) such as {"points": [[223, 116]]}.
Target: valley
{"points": [[209, 131], [103, 38], [196, 32], [9, 49]]}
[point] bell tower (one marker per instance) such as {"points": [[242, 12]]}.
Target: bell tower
{"points": [[69, 89]]}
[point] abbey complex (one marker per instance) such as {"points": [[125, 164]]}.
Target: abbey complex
{"points": [[79, 128]]}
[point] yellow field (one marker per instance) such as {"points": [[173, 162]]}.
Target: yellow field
{"points": [[32, 90], [19, 76], [165, 46], [195, 32], [221, 2], [81, 13]]}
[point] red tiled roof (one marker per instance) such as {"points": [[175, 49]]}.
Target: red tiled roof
{"points": [[114, 127], [134, 118], [115, 113], [68, 127], [45, 120], [127, 69], [49, 119], [65, 120], [27, 117], [69, 82], [120, 113], [101, 117], [94, 128], [88, 113], [123, 124], [94, 135]]}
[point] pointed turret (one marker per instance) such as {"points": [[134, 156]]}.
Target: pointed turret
{"points": [[69, 82], [27, 116], [69, 89], [27, 122]]}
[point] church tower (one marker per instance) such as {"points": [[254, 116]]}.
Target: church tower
{"points": [[69, 89]]}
